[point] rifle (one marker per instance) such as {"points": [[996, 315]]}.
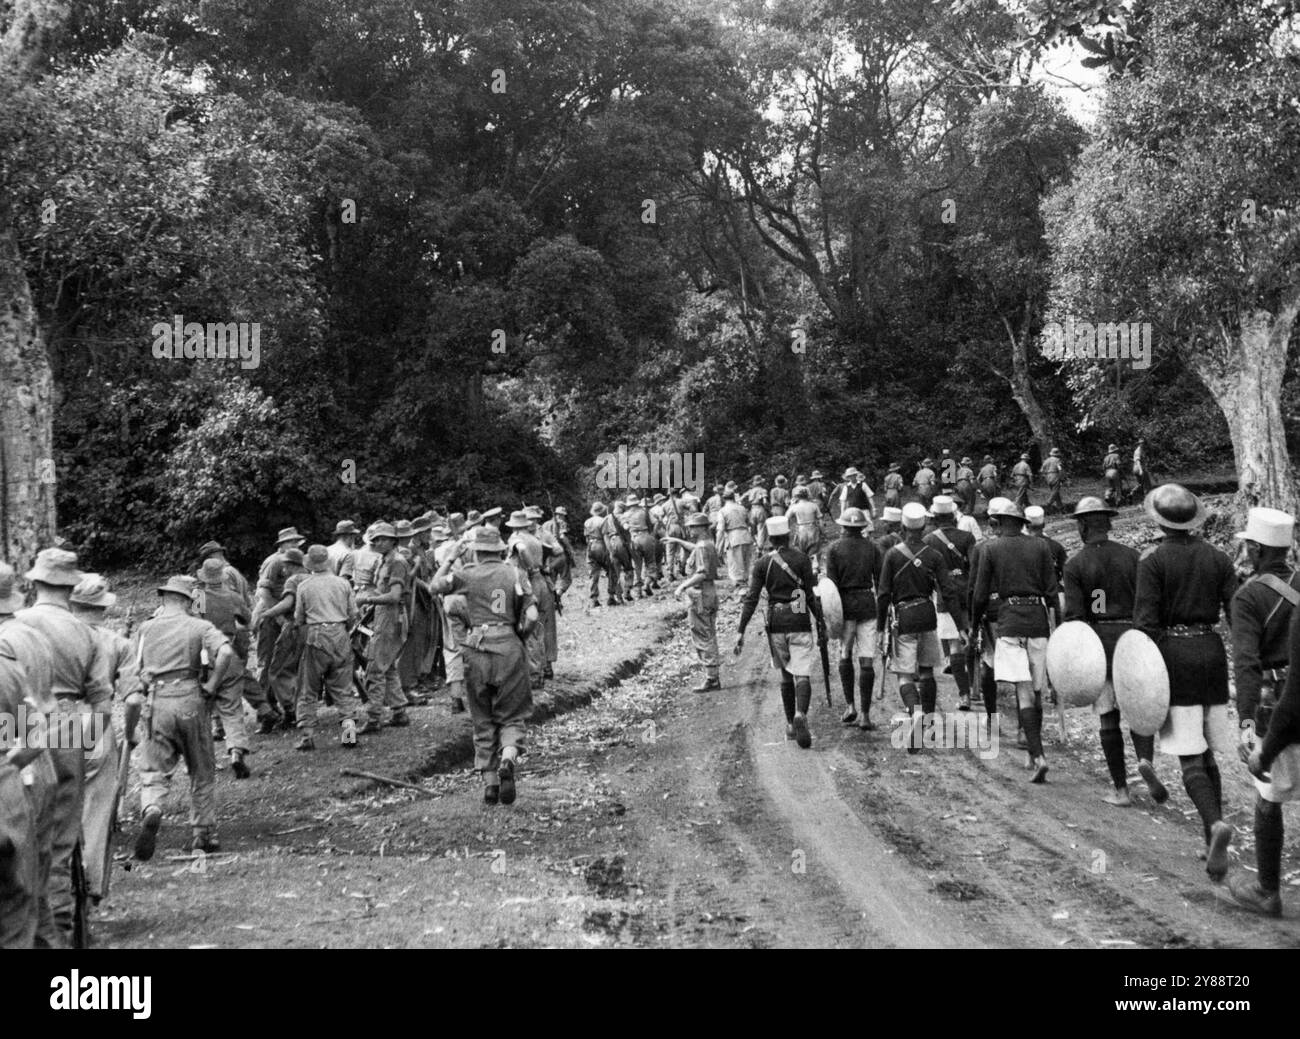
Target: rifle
{"points": [[81, 901], [824, 651], [891, 626]]}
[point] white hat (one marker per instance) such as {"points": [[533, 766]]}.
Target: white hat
{"points": [[777, 526], [891, 515], [1035, 516], [943, 505], [1004, 507], [1271, 527], [914, 515]]}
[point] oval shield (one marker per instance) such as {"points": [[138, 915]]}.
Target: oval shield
{"points": [[1141, 683], [1076, 663]]}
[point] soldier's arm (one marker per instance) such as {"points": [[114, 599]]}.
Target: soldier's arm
{"points": [[1247, 627], [981, 588], [285, 605], [353, 613], [398, 579], [1146, 600], [809, 585], [99, 690], [948, 591], [884, 592], [1076, 600], [752, 593], [218, 647], [299, 610], [833, 567], [1227, 587]]}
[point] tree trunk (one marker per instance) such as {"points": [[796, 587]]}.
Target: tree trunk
{"points": [[1246, 383], [1022, 387], [26, 415], [26, 383]]}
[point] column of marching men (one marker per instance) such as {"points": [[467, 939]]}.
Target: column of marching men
{"points": [[362, 623], [931, 589]]}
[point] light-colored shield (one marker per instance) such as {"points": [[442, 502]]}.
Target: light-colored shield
{"points": [[832, 607], [1076, 663], [1141, 683]]}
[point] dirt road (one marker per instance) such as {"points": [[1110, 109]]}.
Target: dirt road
{"points": [[660, 817]]}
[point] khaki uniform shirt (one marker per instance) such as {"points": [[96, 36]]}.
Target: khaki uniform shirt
{"points": [[77, 671]]}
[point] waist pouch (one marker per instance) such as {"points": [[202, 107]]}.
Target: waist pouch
{"points": [[781, 617], [915, 615]]}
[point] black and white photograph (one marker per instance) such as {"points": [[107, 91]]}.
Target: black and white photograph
{"points": [[652, 474]]}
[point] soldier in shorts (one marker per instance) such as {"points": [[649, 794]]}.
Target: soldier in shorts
{"points": [[853, 565], [1100, 582], [1182, 586], [1019, 571], [786, 575], [912, 576], [1264, 634]]}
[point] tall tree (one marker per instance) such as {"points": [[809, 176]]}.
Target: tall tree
{"points": [[27, 516], [1183, 213]]}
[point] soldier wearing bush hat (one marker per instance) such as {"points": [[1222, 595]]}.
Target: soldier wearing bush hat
{"points": [[954, 545], [853, 566], [175, 650], [391, 626], [232, 578], [1022, 476], [90, 602], [1183, 585], [79, 684], [1100, 584], [216, 603], [599, 558], [924, 481], [267, 622], [499, 610], [345, 541], [700, 591], [325, 609]]}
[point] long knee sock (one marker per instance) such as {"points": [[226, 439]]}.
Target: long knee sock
{"points": [[1268, 843], [989, 690], [802, 694], [846, 679], [1200, 790], [1031, 720], [929, 694], [1112, 746], [1143, 746], [959, 672], [1216, 778], [787, 696], [867, 683], [907, 692]]}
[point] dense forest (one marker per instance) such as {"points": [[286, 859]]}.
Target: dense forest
{"points": [[483, 241]]}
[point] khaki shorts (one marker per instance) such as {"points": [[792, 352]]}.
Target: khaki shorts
{"points": [[792, 651], [1196, 729], [912, 652], [859, 638], [1106, 702], [1285, 771], [1022, 660]]}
